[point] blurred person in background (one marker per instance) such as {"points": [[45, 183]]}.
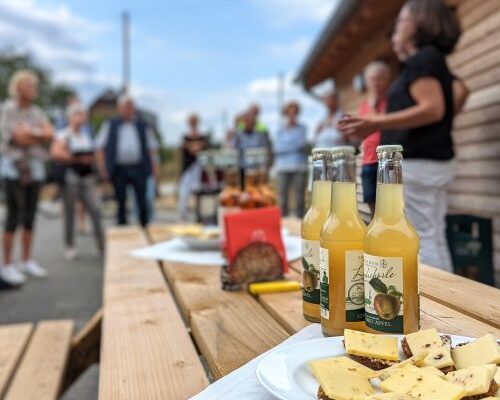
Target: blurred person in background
{"points": [[291, 159], [26, 132], [327, 134], [254, 111], [377, 77], [192, 144], [74, 148], [231, 132], [56, 174], [250, 138], [421, 104], [126, 155]]}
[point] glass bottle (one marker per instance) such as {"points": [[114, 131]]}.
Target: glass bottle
{"points": [[251, 197], [341, 251], [312, 223], [391, 254], [230, 195]]}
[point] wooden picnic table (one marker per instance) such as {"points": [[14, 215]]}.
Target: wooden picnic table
{"points": [[169, 329]]}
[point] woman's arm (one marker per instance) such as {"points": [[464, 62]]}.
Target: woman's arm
{"points": [[429, 108], [59, 151], [460, 94]]}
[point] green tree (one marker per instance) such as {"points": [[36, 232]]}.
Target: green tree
{"points": [[52, 97]]}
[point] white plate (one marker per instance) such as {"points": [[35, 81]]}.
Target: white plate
{"points": [[177, 250], [285, 374], [197, 244]]}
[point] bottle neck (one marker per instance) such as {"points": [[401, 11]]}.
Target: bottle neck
{"points": [[322, 173], [251, 178], [344, 201], [390, 196]]}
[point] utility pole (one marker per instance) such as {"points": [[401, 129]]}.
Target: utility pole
{"points": [[280, 94], [126, 50]]}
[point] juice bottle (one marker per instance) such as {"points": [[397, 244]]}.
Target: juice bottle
{"points": [[251, 197], [341, 252], [391, 254], [311, 227]]}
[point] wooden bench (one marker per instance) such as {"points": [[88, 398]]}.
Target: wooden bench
{"points": [[33, 361], [146, 351]]}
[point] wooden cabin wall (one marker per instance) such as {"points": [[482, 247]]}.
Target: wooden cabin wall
{"points": [[476, 189]]}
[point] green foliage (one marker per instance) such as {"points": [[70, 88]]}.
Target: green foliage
{"points": [[52, 96]]}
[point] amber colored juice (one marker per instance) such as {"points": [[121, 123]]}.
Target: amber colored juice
{"points": [[390, 234], [342, 236], [311, 228]]}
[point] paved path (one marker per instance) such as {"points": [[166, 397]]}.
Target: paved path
{"points": [[72, 290]]}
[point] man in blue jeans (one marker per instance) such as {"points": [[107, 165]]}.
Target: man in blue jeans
{"points": [[126, 149]]}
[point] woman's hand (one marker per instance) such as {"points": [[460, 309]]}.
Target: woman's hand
{"points": [[356, 126]]}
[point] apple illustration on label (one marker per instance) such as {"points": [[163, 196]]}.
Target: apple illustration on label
{"points": [[387, 302]]}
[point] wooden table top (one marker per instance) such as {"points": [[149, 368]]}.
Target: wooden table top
{"points": [[169, 329]]}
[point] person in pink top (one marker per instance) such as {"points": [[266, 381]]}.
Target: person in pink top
{"points": [[377, 77]]}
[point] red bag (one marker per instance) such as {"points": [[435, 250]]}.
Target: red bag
{"points": [[261, 225]]}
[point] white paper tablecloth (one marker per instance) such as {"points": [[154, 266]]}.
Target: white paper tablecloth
{"points": [[176, 250], [242, 384]]}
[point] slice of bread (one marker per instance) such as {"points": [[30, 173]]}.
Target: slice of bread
{"points": [[374, 363], [490, 393], [446, 342]]}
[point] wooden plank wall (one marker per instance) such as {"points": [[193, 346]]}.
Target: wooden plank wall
{"points": [[476, 189]]}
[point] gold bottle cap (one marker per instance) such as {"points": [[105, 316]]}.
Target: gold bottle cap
{"points": [[389, 147]]}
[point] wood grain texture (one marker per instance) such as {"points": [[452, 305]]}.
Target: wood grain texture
{"points": [[13, 341], [234, 331], [286, 309], [448, 320], [146, 351], [471, 298], [230, 328], [41, 371], [222, 322], [85, 349]]}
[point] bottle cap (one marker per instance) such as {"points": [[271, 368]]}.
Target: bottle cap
{"points": [[343, 149], [321, 150], [389, 147]]}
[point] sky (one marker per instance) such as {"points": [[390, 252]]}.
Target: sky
{"points": [[213, 57]]}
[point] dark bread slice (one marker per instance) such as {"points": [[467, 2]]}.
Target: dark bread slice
{"points": [[446, 342], [374, 363], [490, 393], [322, 395]]}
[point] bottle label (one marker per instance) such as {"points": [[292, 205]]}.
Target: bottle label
{"points": [[310, 275], [384, 293], [354, 286], [324, 267]]}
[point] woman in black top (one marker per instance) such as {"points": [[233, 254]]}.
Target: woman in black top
{"points": [[192, 143], [420, 108]]}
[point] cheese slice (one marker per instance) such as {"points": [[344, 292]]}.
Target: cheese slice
{"points": [[433, 370], [416, 360], [484, 350], [343, 363], [390, 396], [422, 385], [372, 346], [428, 339], [340, 384], [475, 380]]}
